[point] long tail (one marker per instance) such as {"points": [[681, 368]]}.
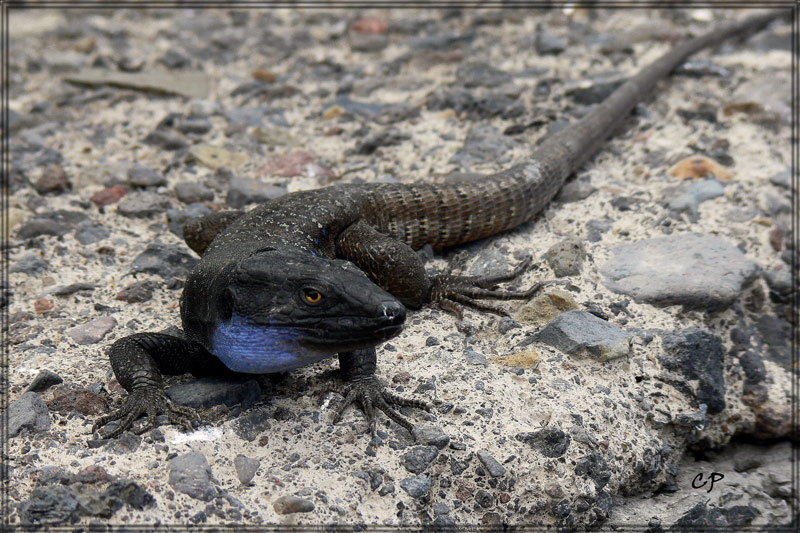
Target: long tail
{"points": [[564, 152], [454, 213]]}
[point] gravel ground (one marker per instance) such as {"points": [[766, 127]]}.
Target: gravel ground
{"points": [[598, 402]]}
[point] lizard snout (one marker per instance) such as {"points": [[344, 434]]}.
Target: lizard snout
{"points": [[393, 311]]}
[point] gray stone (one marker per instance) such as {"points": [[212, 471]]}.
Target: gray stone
{"points": [[549, 44], [388, 137], [579, 332], [476, 107], [129, 492], [190, 474], [137, 292], [475, 74], [489, 262], [566, 257], [492, 465], [476, 358], [44, 380], [176, 218], [257, 116], [416, 486], [484, 498], [694, 270], [417, 459], [693, 194], [210, 391], [57, 223], [367, 42], [252, 424], [771, 92], [125, 443], [189, 84], [142, 204], [779, 280], [701, 517], [696, 420], [246, 468], [594, 93], [190, 192], [193, 125], [72, 288], [245, 191], [550, 441], [90, 232], [31, 264], [699, 68], [595, 467], [367, 110], [595, 229], [166, 139], [166, 260], [782, 179], [93, 331], [773, 204], [484, 144], [292, 504], [40, 226], [698, 355], [431, 435], [575, 191], [50, 505], [28, 412], [142, 176]]}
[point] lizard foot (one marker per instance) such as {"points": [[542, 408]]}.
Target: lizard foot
{"points": [[452, 293], [150, 402], [370, 393]]}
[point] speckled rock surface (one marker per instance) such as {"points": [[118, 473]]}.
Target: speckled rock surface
{"points": [[226, 107]]}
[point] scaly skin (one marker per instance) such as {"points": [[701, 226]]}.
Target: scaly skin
{"points": [[272, 291]]}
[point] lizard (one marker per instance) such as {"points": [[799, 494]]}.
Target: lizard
{"points": [[331, 271]]}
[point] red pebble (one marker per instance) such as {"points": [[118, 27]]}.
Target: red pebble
{"points": [[42, 305], [370, 24], [776, 238], [109, 196]]}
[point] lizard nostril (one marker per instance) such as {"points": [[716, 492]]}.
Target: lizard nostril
{"points": [[394, 311]]}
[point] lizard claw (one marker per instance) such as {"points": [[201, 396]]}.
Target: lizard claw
{"points": [[452, 293], [147, 401], [370, 393]]}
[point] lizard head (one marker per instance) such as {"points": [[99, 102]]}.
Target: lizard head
{"points": [[287, 308]]}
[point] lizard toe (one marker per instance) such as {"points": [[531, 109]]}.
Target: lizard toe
{"points": [[452, 293], [372, 396]]}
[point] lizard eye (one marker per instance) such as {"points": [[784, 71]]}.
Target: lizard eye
{"points": [[312, 296]]}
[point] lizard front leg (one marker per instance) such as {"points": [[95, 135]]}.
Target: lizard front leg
{"points": [[397, 268], [358, 369], [138, 362]]}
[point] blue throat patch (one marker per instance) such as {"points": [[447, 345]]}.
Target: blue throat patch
{"points": [[256, 349]]}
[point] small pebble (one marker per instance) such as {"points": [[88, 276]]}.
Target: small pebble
{"points": [[246, 468], [109, 196], [42, 306], [492, 465], [190, 192], [44, 380], [142, 176], [93, 331], [292, 504], [416, 486], [53, 179]]}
